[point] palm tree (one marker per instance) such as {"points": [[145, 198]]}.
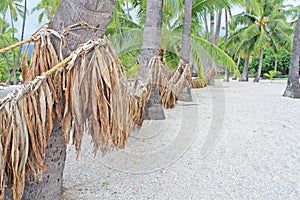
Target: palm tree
{"points": [[51, 185], [186, 33], [226, 74], [186, 46], [293, 87], [262, 25], [150, 48]]}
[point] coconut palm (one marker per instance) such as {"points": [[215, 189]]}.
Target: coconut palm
{"points": [[262, 25], [186, 33], [293, 87], [150, 48], [50, 187]]}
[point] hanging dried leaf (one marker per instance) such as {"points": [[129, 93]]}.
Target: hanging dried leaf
{"points": [[89, 95]]}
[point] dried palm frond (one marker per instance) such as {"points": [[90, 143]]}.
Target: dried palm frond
{"points": [[170, 83], [197, 83], [210, 73], [87, 88], [25, 130]]}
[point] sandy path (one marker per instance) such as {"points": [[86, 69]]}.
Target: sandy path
{"points": [[249, 149]]}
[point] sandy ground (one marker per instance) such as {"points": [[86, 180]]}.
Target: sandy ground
{"points": [[234, 141]]}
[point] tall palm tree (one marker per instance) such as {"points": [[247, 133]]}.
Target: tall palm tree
{"points": [[129, 31], [51, 185], [150, 48], [293, 87], [262, 25], [186, 45], [226, 74], [186, 33]]}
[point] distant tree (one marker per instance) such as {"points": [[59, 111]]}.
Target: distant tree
{"points": [[263, 25]]}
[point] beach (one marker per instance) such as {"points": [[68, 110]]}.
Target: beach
{"points": [[236, 140]]}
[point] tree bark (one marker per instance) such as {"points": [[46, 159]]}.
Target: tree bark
{"points": [[206, 25], [226, 74], [275, 63], [186, 33], [218, 27], [245, 70], [150, 48], [238, 64], [261, 54], [186, 46], [212, 27], [96, 13], [293, 87], [211, 80]]}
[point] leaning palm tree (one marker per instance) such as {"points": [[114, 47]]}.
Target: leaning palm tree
{"points": [[293, 87]]}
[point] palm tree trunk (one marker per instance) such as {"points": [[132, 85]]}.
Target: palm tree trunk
{"points": [[245, 70], [210, 76], [218, 27], [293, 87], [96, 13], [185, 52], [261, 54], [206, 25], [275, 63], [237, 64], [226, 74], [212, 27], [150, 48], [186, 46]]}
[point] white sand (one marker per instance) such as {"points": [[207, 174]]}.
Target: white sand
{"points": [[234, 141], [249, 149]]}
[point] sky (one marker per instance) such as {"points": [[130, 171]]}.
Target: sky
{"points": [[32, 24]]}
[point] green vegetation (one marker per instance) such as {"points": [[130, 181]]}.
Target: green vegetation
{"points": [[283, 62], [271, 74]]}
